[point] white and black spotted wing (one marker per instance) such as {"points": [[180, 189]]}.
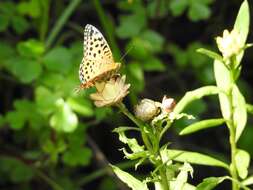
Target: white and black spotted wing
{"points": [[97, 63]]}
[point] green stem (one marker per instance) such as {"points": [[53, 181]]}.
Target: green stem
{"points": [[152, 150], [51, 182], [232, 141], [163, 175], [145, 139], [61, 21]]}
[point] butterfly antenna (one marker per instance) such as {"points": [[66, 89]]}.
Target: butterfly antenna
{"points": [[130, 48]]}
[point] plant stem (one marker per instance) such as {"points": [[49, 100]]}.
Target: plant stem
{"points": [[152, 150], [49, 181], [61, 21], [232, 141], [145, 139]]}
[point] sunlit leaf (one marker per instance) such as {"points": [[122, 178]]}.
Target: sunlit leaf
{"points": [[242, 26], [131, 181], [63, 119], [242, 161], [194, 95], [248, 181], [240, 111], [223, 80], [81, 106], [193, 158], [210, 54], [30, 48], [210, 182], [204, 124]]}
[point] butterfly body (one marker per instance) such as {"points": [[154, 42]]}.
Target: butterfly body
{"points": [[97, 64]]}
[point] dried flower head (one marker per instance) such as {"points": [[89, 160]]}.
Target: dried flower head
{"points": [[110, 92], [168, 104], [147, 109], [229, 44]]}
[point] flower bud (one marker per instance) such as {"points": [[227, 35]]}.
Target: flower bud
{"points": [[147, 109], [229, 44], [168, 104]]}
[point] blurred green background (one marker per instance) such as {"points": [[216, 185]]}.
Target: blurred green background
{"points": [[52, 138]]}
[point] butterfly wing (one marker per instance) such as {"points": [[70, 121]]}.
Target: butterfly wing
{"points": [[97, 63]]}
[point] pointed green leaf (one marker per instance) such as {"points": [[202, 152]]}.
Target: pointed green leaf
{"points": [[131, 181], [242, 160], [248, 181], [223, 80], [210, 182], [240, 111], [204, 124], [242, 26], [194, 95], [192, 157], [210, 54]]}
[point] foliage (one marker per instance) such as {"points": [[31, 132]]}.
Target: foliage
{"points": [[43, 123]]}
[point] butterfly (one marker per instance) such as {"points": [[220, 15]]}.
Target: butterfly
{"points": [[97, 64]]}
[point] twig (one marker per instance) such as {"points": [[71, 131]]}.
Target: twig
{"points": [[61, 21]]}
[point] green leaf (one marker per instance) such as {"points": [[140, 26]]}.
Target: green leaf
{"points": [[182, 177], [180, 56], [4, 22], [178, 7], [77, 156], [141, 49], [210, 54], [240, 111], [248, 181], [194, 95], [210, 182], [204, 124], [82, 106], [131, 181], [131, 142], [31, 48], [224, 81], [242, 26], [153, 64], [45, 100], [155, 40], [198, 11], [249, 108], [192, 157], [58, 59], [16, 119], [132, 25], [63, 119], [6, 51], [31, 8], [242, 161], [25, 111], [136, 76], [54, 148], [26, 70], [19, 24], [17, 170]]}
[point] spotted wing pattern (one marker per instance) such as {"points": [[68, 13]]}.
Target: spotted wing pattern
{"points": [[97, 63]]}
